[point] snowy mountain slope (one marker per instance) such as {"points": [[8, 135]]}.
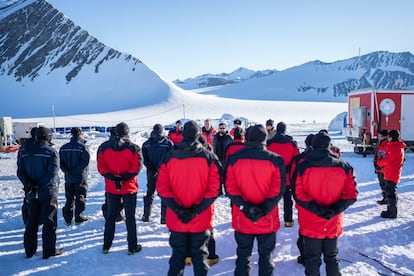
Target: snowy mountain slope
{"points": [[45, 60], [313, 81]]}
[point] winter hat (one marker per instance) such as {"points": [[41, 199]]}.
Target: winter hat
{"points": [[33, 132], [394, 134], [112, 131], [257, 133], [43, 134], [237, 121], [75, 131], [158, 128], [321, 140], [238, 133], [384, 132], [191, 131], [308, 140], [122, 129], [281, 127], [178, 122], [270, 122]]}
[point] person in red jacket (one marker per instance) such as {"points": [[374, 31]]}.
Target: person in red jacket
{"points": [[176, 134], [391, 166], [380, 154], [188, 183], [208, 131], [255, 182], [238, 142], [286, 147], [119, 161], [324, 188], [236, 123]]}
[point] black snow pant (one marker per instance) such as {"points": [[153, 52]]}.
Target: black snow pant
{"points": [[75, 194], [381, 182], [391, 196], [287, 205], [41, 211], [211, 245], [180, 242], [299, 243], [114, 203], [265, 246], [104, 208], [314, 248], [149, 197]]}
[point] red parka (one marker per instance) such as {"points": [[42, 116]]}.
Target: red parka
{"points": [[323, 189], [120, 160], [233, 147], [176, 135], [255, 176], [393, 161], [189, 176], [209, 134], [286, 147]]}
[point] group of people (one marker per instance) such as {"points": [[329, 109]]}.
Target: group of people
{"points": [[256, 173], [38, 166], [189, 168]]}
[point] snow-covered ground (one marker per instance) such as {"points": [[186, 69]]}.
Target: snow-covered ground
{"points": [[370, 245]]}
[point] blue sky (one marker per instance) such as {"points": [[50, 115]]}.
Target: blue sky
{"points": [[180, 39]]}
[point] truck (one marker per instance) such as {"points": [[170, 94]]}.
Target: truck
{"points": [[22, 130], [372, 110]]}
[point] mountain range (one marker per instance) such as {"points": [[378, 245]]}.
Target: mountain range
{"points": [[48, 62]]}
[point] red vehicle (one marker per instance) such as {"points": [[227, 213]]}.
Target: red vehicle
{"points": [[372, 110]]}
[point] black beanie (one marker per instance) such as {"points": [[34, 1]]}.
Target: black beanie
{"points": [[75, 131], [321, 140], [122, 129], [43, 134], [237, 121], [281, 127], [394, 134], [308, 140], [257, 133], [33, 132], [191, 131], [384, 132], [157, 128], [270, 122], [238, 133]]}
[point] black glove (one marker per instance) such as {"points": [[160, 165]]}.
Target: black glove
{"points": [[186, 214], [118, 184], [326, 212], [253, 212]]}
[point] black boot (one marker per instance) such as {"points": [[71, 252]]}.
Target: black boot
{"points": [[147, 208], [382, 201], [391, 209]]}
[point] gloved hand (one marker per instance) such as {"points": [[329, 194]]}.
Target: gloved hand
{"points": [[253, 212], [118, 184], [326, 212], [329, 213], [186, 214]]}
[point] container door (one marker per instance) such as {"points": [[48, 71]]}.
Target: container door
{"points": [[407, 117]]}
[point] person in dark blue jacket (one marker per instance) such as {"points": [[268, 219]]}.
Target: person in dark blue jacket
{"points": [[37, 169], [153, 150], [22, 150], [74, 162]]}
